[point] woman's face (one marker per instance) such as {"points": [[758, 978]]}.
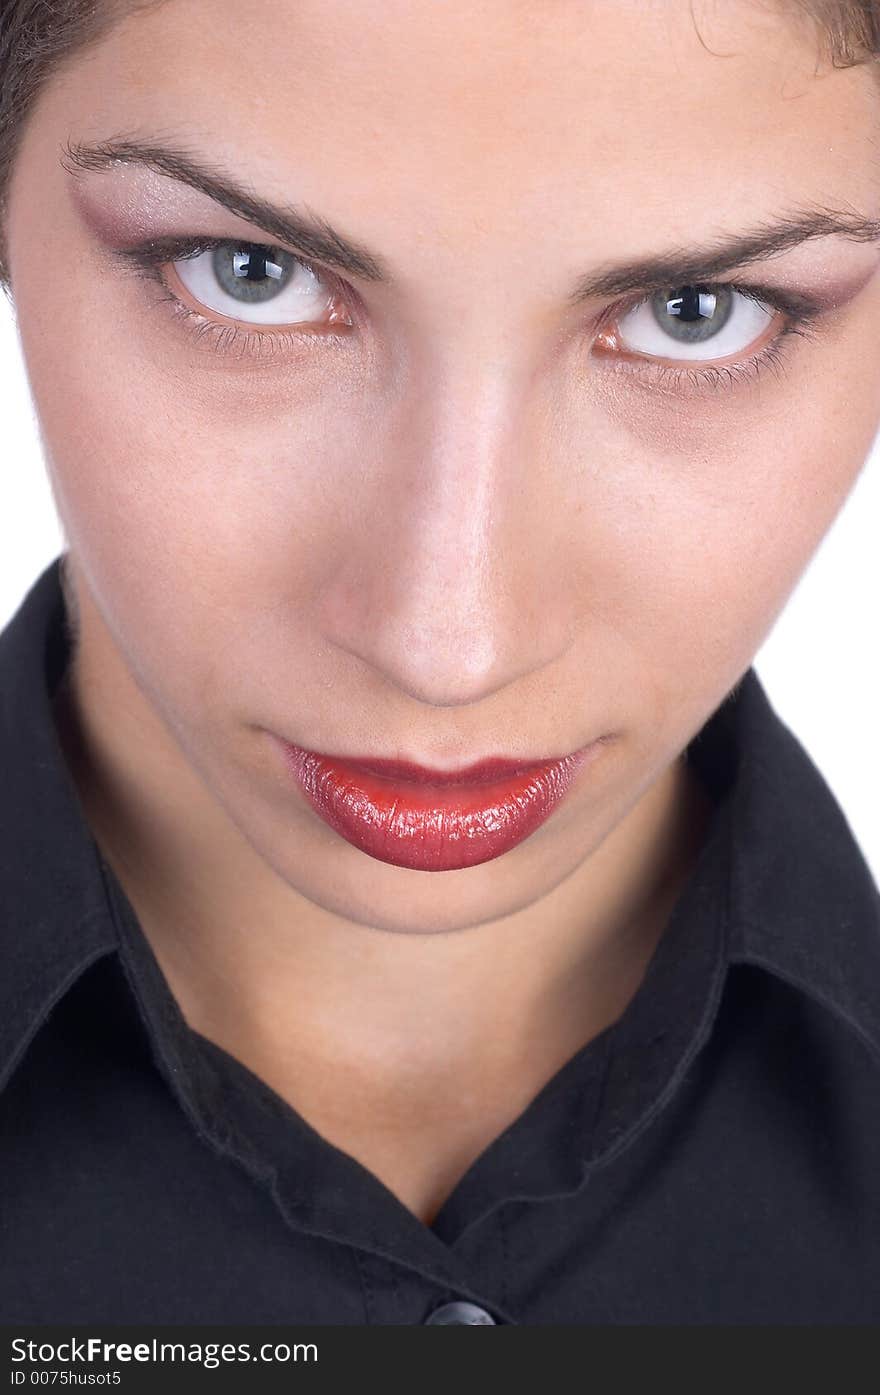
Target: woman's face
{"points": [[462, 497]]}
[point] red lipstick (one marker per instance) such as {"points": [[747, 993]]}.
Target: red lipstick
{"points": [[433, 820]]}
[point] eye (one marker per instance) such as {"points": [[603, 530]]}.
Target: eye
{"points": [[693, 323], [254, 283]]}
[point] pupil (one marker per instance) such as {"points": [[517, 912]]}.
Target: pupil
{"points": [[691, 315], [250, 265], [692, 304], [252, 274]]}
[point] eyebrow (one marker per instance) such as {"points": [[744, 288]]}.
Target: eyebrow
{"points": [[308, 233], [317, 240]]}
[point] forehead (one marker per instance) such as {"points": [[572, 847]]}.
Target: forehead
{"points": [[469, 117]]}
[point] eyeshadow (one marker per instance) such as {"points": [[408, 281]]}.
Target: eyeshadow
{"points": [[831, 271], [126, 204], [123, 205]]}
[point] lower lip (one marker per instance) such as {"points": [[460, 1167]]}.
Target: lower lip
{"points": [[431, 827]]}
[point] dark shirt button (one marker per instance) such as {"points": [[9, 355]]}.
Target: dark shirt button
{"points": [[460, 1313]]}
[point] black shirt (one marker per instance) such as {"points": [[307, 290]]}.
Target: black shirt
{"points": [[711, 1157]]}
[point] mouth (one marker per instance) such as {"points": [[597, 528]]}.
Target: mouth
{"points": [[433, 820]]}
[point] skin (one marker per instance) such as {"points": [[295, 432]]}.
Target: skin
{"points": [[461, 530]]}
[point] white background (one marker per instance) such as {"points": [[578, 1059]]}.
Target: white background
{"points": [[819, 664]]}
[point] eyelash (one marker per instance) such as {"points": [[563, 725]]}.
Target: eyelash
{"points": [[801, 314], [148, 259]]}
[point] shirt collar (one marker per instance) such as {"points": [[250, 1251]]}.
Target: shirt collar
{"points": [[804, 902], [53, 921], [780, 883]]}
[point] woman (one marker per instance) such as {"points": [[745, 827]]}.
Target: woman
{"points": [[416, 912]]}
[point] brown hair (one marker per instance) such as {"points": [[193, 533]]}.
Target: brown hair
{"points": [[37, 37]]}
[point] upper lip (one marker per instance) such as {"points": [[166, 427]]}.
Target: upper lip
{"points": [[477, 772]]}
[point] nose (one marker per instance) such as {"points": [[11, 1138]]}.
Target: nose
{"points": [[451, 586]]}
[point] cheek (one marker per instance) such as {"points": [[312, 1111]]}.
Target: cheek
{"points": [[714, 575], [699, 524], [198, 521], [698, 513]]}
